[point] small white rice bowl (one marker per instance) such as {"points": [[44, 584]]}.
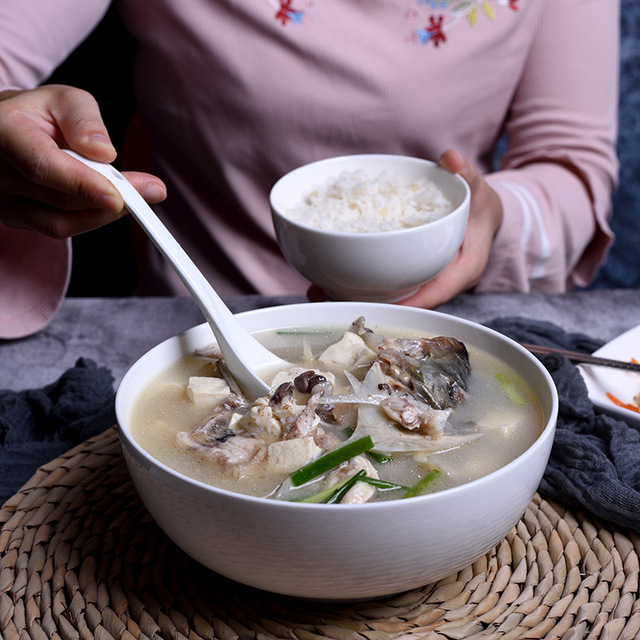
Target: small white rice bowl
{"points": [[370, 227]]}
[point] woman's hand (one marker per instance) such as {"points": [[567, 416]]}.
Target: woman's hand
{"points": [[466, 268], [42, 188], [468, 265]]}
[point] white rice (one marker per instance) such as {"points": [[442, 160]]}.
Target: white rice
{"points": [[355, 203]]}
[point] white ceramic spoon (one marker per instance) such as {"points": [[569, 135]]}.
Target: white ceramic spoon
{"points": [[243, 354]]}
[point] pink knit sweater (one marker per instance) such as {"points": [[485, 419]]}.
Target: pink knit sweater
{"points": [[235, 93]]}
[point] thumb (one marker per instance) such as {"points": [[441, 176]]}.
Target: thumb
{"points": [[453, 161], [457, 163], [82, 127]]}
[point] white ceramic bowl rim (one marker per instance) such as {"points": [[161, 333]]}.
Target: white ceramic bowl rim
{"points": [[181, 479], [457, 209]]}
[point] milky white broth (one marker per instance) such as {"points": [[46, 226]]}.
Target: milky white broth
{"points": [[164, 409]]}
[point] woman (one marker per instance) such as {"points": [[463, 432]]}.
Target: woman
{"points": [[233, 94]]}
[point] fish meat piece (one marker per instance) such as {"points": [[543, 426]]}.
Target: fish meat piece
{"points": [[387, 438], [261, 422], [416, 416], [434, 369], [307, 420], [221, 419], [230, 451], [218, 441], [361, 491], [384, 431], [270, 416]]}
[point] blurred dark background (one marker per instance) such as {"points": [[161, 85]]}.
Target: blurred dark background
{"points": [[105, 260], [622, 268]]}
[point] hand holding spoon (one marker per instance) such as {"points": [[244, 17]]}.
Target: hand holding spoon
{"points": [[243, 354]]}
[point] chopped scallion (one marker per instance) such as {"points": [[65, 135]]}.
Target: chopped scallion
{"points": [[327, 495], [342, 491], [323, 496], [511, 389], [383, 485], [380, 458], [422, 484], [330, 460], [297, 332]]}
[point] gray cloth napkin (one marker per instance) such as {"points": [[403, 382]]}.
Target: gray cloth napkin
{"points": [[595, 459], [38, 425]]}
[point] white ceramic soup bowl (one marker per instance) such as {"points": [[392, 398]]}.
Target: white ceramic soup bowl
{"points": [[369, 266], [338, 552]]}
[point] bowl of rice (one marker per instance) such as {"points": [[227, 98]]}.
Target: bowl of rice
{"points": [[370, 227]]}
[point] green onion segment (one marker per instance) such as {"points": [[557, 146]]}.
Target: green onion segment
{"points": [[324, 496], [342, 491], [422, 484], [330, 460], [511, 389]]}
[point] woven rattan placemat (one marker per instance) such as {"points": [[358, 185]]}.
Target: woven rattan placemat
{"points": [[80, 558]]}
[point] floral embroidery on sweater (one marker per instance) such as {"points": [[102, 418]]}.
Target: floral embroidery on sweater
{"points": [[286, 13], [436, 28]]}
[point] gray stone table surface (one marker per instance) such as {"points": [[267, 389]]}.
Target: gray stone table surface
{"points": [[115, 332]]}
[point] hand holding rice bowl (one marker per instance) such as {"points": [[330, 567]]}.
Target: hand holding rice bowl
{"points": [[370, 227], [341, 551]]}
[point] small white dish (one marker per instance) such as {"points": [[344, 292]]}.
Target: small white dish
{"points": [[624, 385]]}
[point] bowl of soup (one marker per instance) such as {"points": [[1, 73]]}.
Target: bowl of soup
{"points": [[400, 446], [370, 227]]}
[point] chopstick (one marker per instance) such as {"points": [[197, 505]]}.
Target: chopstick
{"points": [[583, 358]]}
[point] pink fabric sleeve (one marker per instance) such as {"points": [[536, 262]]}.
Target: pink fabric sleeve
{"points": [[36, 36], [560, 169], [34, 276]]}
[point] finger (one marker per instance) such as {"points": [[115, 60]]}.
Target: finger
{"points": [[36, 125], [450, 282], [316, 294], [68, 116], [483, 199], [452, 161], [57, 180], [28, 215], [455, 162], [78, 118], [65, 217], [151, 188]]}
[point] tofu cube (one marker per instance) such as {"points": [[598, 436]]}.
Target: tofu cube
{"points": [[289, 455], [205, 389]]}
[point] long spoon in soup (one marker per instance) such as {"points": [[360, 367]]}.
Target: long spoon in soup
{"points": [[243, 354]]}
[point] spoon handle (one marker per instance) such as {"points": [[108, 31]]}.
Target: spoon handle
{"points": [[237, 346]]}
